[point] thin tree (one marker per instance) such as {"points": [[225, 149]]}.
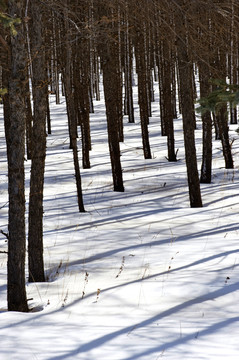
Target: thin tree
{"points": [[205, 41], [38, 150], [72, 118]]}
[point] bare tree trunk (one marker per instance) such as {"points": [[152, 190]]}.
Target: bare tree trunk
{"points": [[39, 90], [142, 93], [72, 118], [222, 114], [48, 114], [111, 97], [29, 121], [224, 135], [205, 88], [129, 104], [109, 52], [82, 89], [166, 95], [206, 168], [15, 117], [233, 73], [185, 80]]}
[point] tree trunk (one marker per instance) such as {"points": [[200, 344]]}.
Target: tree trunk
{"points": [[185, 80], [113, 117], [222, 114], [166, 94], [233, 57], [224, 136], [142, 93], [205, 88], [129, 103], [29, 121], [72, 117], [15, 117], [81, 94], [109, 51], [39, 90], [206, 167]]}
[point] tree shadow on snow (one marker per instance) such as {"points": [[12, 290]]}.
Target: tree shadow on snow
{"points": [[98, 342]]}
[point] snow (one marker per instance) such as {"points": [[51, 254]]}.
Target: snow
{"points": [[140, 275]]}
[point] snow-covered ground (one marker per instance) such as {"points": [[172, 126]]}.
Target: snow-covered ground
{"points": [[140, 275]]}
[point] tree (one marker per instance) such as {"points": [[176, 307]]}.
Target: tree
{"points": [[141, 29], [204, 39], [184, 68], [14, 117], [128, 68], [70, 101], [140, 54], [166, 82], [38, 150], [81, 83], [108, 48]]}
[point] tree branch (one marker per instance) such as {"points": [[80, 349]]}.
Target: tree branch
{"points": [[5, 234]]}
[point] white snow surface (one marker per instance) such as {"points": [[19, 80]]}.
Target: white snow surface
{"points": [[140, 275]]}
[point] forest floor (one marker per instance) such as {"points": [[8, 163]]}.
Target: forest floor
{"points": [[140, 275]]}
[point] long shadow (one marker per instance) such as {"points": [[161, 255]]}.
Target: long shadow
{"points": [[195, 263], [129, 196], [97, 196], [171, 344], [231, 196], [105, 254], [174, 310], [3, 288], [113, 219], [179, 307]]}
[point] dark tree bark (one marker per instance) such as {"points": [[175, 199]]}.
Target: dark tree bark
{"points": [[233, 58], [206, 167], [216, 126], [219, 70], [48, 114], [174, 84], [72, 117], [224, 136], [205, 88], [222, 114], [40, 93], [15, 117], [184, 69], [142, 93], [109, 52], [29, 121], [113, 117], [166, 95], [162, 79], [128, 70], [118, 69], [147, 49], [81, 94]]}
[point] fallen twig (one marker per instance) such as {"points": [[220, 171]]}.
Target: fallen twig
{"points": [[5, 234]]}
